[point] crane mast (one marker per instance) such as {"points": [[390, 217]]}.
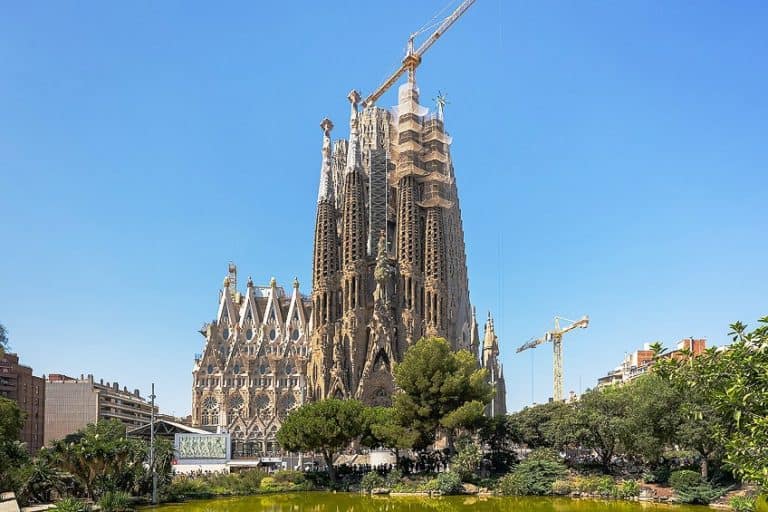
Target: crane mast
{"points": [[555, 336], [413, 57]]}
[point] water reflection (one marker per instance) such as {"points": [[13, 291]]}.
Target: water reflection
{"points": [[344, 502]]}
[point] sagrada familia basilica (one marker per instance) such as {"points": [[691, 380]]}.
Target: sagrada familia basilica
{"points": [[389, 268]]}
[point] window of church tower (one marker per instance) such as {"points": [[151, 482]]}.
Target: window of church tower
{"points": [[249, 334], [263, 368], [210, 414], [261, 402], [236, 369], [272, 334], [225, 333], [288, 368], [295, 334], [210, 368], [236, 403]]}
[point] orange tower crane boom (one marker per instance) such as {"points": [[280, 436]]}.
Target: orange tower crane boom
{"points": [[413, 57]]}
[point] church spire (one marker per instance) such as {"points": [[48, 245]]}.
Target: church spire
{"points": [[353, 152], [490, 343], [498, 405], [325, 192]]}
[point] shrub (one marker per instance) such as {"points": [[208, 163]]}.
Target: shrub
{"points": [[393, 478], [372, 480], [182, 488], [449, 483], [531, 477], [268, 483], [289, 477], [659, 475], [115, 501], [547, 454], [606, 486], [684, 478], [285, 481], [71, 505], [250, 481], [701, 493], [742, 503], [594, 484], [561, 487], [467, 460], [628, 489]]}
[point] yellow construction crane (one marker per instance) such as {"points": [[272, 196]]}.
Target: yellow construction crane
{"points": [[413, 57], [556, 337]]}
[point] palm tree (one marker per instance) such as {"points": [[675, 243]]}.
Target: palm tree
{"points": [[658, 349], [42, 479]]}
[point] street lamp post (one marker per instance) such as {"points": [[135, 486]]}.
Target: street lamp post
{"points": [[152, 446]]}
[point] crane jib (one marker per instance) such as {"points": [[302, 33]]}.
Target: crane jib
{"points": [[413, 59]]}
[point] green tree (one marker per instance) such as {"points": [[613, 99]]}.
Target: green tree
{"points": [[652, 418], [600, 422], [728, 401], [542, 426], [497, 437], [13, 455], [381, 429], [327, 427], [744, 397], [11, 420], [440, 390]]}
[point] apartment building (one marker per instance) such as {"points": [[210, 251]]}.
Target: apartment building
{"points": [[72, 403], [18, 384]]}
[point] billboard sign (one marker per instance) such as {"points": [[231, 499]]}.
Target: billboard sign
{"points": [[202, 447]]}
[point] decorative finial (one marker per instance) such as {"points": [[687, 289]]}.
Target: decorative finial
{"points": [[440, 102], [249, 284], [226, 282], [273, 282], [354, 99], [326, 125], [296, 282]]}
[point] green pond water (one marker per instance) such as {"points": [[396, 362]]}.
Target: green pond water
{"points": [[348, 502]]}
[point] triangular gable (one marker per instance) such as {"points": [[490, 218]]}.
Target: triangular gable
{"points": [[249, 313], [227, 314], [296, 314], [273, 314]]}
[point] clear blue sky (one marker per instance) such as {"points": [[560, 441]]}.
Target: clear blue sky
{"points": [[617, 148]]}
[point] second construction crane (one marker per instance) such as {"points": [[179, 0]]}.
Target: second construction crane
{"points": [[556, 337]]}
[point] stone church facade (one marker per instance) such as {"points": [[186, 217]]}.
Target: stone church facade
{"points": [[389, 267], [252, 371]]}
